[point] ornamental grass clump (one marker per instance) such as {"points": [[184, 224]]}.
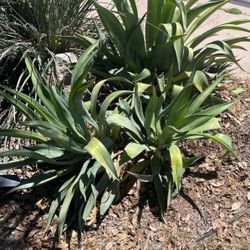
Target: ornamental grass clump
{"points": [[35, 28]]}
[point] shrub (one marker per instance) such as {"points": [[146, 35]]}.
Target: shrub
{"points": [[155, 125], [163, 39], [73, 140]]}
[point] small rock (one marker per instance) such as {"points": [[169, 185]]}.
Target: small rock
{"points": [[236, 205]]}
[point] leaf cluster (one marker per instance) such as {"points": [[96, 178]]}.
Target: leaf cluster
{"points": [[153, 93]]}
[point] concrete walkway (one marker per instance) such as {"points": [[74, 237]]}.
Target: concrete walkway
{"points": [[220, 17]]}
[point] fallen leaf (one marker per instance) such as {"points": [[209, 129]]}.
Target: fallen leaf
{"points": [[152, 228], [236, 205], [216, 183]]}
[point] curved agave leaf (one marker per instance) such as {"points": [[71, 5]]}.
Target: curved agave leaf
{"points": [[199, 14], [23, 134], [176, 165], [97, 150], [42, 90], [109, 196], [126, 123], [36, 106], [132, 150], [155, 164], [37, 180], [17, 164], [112, 26], [235, 25]]}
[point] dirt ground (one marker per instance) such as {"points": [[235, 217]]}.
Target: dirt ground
{"points": [[211, 212]]}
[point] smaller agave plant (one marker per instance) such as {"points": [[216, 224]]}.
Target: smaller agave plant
{"points": [[73, 142], [155, 125]]}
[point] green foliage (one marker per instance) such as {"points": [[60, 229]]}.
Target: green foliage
{"points": [[158, 96], [164, 39], [73, 140], [35, 27], [155, 124]]}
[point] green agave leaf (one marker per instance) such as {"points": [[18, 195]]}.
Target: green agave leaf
{"points": [[175, 30], [199, 14], [200, 81], [153, 21], [108, 197], [138, 105], [96, 91], [226, 26], [176, 165], [203, 8], [137, 168], [59, 137], [96, 191], [27, 153], [22, 134], [54, 206], [97, 150], [108, 100], [83, 65], [223, 140], [125, 123], [155, 163], [112, 26], [29, 113], [64, 209], [66, 116], [142, 177], [203, 96], [67, 200], [37, 180], [177, 104], [191, 3], [189, 161], [90, 204], [48, 151], [16, 164], [41, 110], [150, 113], [82, 117], [42, 90], [212, 124], [134, 149], [145, 73]]}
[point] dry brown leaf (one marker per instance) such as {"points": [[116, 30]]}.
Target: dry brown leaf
{"points": [[153, 228], [216, 183]]}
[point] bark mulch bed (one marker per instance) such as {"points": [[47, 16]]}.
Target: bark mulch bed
{"points": [[212, 211]]}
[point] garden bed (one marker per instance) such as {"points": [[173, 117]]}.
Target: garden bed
{"points": [[212, 211]]}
